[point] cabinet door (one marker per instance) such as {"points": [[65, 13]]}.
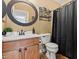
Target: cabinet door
{"points": [[32, 52], [15, 54]]}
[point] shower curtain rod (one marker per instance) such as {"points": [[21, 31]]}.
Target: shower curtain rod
{"points": [[65, 5]]}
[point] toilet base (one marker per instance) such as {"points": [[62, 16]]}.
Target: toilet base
{"points": [[51, 55]]}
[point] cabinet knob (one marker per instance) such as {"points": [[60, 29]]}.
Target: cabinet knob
{"points": [[39, 41], [25, 48], [20, 50]]}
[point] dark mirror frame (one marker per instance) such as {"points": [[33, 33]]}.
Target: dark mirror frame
{"points": [[3, 9], [9, 7]]}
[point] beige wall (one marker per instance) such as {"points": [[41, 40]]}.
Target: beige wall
{"points": [[40, 26]]}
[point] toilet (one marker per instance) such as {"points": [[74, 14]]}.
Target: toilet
{"points": [[52, 48]]}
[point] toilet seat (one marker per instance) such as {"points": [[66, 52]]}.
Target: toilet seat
{"points": [[52, 47]]}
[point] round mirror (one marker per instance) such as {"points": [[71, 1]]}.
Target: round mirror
{"points": [[22, 13], [3, 8]]}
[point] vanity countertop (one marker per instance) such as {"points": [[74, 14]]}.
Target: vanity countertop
{"points": [[20, 37]]}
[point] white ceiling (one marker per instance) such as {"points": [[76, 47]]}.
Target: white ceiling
{"points": [[60, 1]]}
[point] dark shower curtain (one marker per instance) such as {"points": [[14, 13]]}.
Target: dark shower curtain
{"points": [[64, 31]]}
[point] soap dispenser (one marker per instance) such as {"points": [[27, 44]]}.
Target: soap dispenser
{"points": [[33, 30]]}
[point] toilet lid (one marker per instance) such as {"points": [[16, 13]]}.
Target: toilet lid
{"points": [[52, 45]]}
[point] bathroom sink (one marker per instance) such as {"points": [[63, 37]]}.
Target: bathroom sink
{"points": [[18, 37], [11, 34], [15, 35]]}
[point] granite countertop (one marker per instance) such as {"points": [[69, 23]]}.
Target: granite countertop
{"points": [[20, 37]]}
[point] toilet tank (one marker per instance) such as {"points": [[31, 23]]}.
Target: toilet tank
{"points": [[45, 39]]}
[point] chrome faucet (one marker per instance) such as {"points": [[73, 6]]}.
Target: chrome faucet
{"points": [[21, 32]]}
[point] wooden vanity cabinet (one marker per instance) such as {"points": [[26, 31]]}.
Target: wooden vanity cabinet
{"points": [[21, 49], [31, 52], [15, 54]]}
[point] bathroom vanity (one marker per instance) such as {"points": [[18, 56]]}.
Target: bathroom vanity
{"points": [[21, 47]]}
